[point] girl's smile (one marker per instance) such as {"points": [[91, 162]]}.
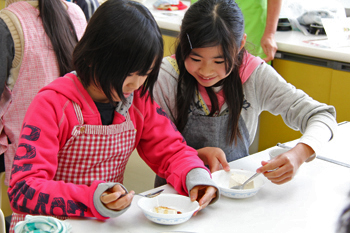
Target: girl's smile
{"points": [[206, 65], [207, 79]]}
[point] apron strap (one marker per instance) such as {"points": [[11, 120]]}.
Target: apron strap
{"points": [[78, 113], [172, 61], [201, 101]]}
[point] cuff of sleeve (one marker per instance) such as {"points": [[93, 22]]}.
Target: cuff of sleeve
{"points": [[323, 135], [100, 207], [312, 157], [200, 176]]}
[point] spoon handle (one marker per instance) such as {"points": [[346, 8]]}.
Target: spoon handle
{"points": [[319, 157], [252, 177]]}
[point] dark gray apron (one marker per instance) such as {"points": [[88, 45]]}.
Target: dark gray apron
{"points": [[204, 131]]}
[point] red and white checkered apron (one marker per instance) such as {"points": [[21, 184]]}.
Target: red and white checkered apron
{"points": [[94, 152]]}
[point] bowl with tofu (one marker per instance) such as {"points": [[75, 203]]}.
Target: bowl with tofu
{"points": [[227, 179], [168, 209]]}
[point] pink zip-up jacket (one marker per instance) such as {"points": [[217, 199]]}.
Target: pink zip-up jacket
{"points": [[50, 120]]}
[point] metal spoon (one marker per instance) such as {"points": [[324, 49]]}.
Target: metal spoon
{"points": [[318, 156], [246, 182], [150, 195]]}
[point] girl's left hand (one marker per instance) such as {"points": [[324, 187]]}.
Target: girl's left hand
{"points": [[214, 157], [283, 168], [203, 194]]}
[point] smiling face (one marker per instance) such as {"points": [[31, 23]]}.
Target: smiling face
{"points": [[207, 65]]}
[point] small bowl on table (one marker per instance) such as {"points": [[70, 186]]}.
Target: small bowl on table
{"points": [[182, 204], [222, 179]]}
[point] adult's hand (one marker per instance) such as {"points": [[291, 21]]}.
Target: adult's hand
{"points": [[269, 45]]}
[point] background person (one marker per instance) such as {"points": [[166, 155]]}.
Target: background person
{"points": [[261, 19], [88, 7], [36, 43]]}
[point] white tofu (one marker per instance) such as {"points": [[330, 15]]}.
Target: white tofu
{"points": [[164, 210], [239, 179]]}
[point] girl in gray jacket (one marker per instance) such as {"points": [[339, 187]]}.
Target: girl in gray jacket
{"points": [[214, 91]]}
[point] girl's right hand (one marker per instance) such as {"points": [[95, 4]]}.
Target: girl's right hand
{"points": [[283, 168], [214, 157], [116, 198]]}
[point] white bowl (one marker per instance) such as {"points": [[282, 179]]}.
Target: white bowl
{"points": [[175, 201], [276, 152], [222, 179]]}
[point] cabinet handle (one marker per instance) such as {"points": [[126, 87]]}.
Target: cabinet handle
{"points": [[341, 66], [313, 61], [345, 67], [302, 59]]}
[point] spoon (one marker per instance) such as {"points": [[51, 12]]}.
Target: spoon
{"points": [[319, 156], [246, 182], [150, 195]]}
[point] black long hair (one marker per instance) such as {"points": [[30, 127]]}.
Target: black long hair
{"points": [[121, 38], [210, 23], [61, 32], [344, 221]]}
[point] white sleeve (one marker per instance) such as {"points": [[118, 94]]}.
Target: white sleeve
{"points": [[315, 120]]}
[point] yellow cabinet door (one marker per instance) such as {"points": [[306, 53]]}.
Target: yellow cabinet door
{"points": [[2, 4], [340, 94], [314, 80], [169, 45]]}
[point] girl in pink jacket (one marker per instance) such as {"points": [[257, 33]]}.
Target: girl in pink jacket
{"points": [[80, 130]]}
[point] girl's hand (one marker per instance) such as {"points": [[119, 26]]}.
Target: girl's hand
{"points": [[114, 198], [214, 157], [283, 168], [203, 194]]}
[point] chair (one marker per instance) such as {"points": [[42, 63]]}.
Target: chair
{"points": [[2, 222], [4, 199]]}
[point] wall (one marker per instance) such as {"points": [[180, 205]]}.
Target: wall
{"points": [[138, 176]]}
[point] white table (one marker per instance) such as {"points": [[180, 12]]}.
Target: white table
{"points": [[311, 202], [168, 20], [340, 141]]}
